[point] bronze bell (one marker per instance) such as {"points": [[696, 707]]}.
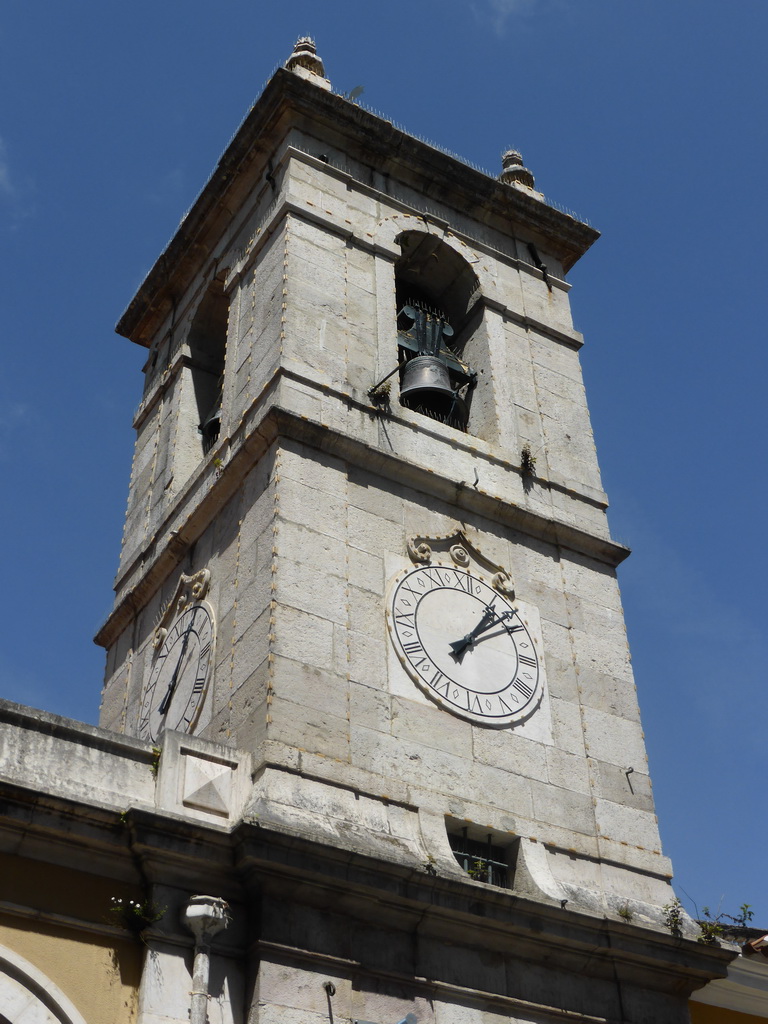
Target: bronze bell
{"points": [[210, 428], [425, 374], [426, 387]]}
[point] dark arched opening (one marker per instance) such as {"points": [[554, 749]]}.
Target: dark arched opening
{"points": [[207, 342], [437, 296]]}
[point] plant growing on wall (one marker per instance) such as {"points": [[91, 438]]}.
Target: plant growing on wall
{"points": [[379, 393], [713, 926], [673, 917], [478, 869], [527, 461], [625, 913], [135, 915]]}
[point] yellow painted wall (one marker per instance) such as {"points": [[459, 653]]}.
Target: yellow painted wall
{"points": [[99, 973], [703, 1014]]}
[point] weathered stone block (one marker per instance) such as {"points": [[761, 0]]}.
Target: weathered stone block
{"points": [[287, 987], [614, 783], [309, 307], [316, 258], [407, 760], [627, 825], [251, 649], [591, 581], [311, 467], [563, 807], [303, 637], [367, 491], [313, 687], [497, 790], [306, 505], [223, 648], [413, 722], [562, 679], [573, 478], [613, 739], [369, 707], [609, 694], [555, 355], [361, 312], [317, 551], [273, 1013], [366, 657], [506, 750], [309, 729], [365, 571], [568, 771], [373, 534], [604, 646], [311, 590], [365, 209], [113, 706], [548, 307], [567, 729], [366, 612]]}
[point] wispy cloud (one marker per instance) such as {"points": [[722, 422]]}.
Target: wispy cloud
{"points": [[499, 11], [6, 184], [13, 416], [16, 198], [705, 642]]}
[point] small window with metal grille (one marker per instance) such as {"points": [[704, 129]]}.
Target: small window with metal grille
{"points": [[481, 859]]}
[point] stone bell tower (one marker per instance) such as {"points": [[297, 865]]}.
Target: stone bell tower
{"points": [[366, 542]]}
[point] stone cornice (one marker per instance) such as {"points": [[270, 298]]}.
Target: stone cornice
{"points": [[255, 863], [289, 101], [470, 915], [744, 990], [212, 487]]}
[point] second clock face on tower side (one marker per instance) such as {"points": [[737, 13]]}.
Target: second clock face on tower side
{"points": [[177, 686], [465, 645]]}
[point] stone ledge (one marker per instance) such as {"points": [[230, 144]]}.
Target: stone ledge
{"points": [[262, 425], [33, 720]]}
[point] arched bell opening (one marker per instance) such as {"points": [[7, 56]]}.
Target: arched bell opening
{"points": [[207, 342], [437, 296]]}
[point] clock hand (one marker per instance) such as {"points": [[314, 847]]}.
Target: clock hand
{"points": [[166, 701], [490, 618], [503, 628], [458, 647]]}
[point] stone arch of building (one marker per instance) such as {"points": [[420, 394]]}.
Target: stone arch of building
{"points": [[27, 996], [434, 270], [391, 228]]}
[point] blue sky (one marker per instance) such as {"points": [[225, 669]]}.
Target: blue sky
{"points": [[646, 118]]}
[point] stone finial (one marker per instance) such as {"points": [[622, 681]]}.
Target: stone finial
{"points": [[513, 171], [305, 56]]}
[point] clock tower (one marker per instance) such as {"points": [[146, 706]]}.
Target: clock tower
{"points": [[366, 543]]}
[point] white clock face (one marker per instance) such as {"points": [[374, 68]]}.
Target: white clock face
{"points": [[177, 687], [465, 645]]}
